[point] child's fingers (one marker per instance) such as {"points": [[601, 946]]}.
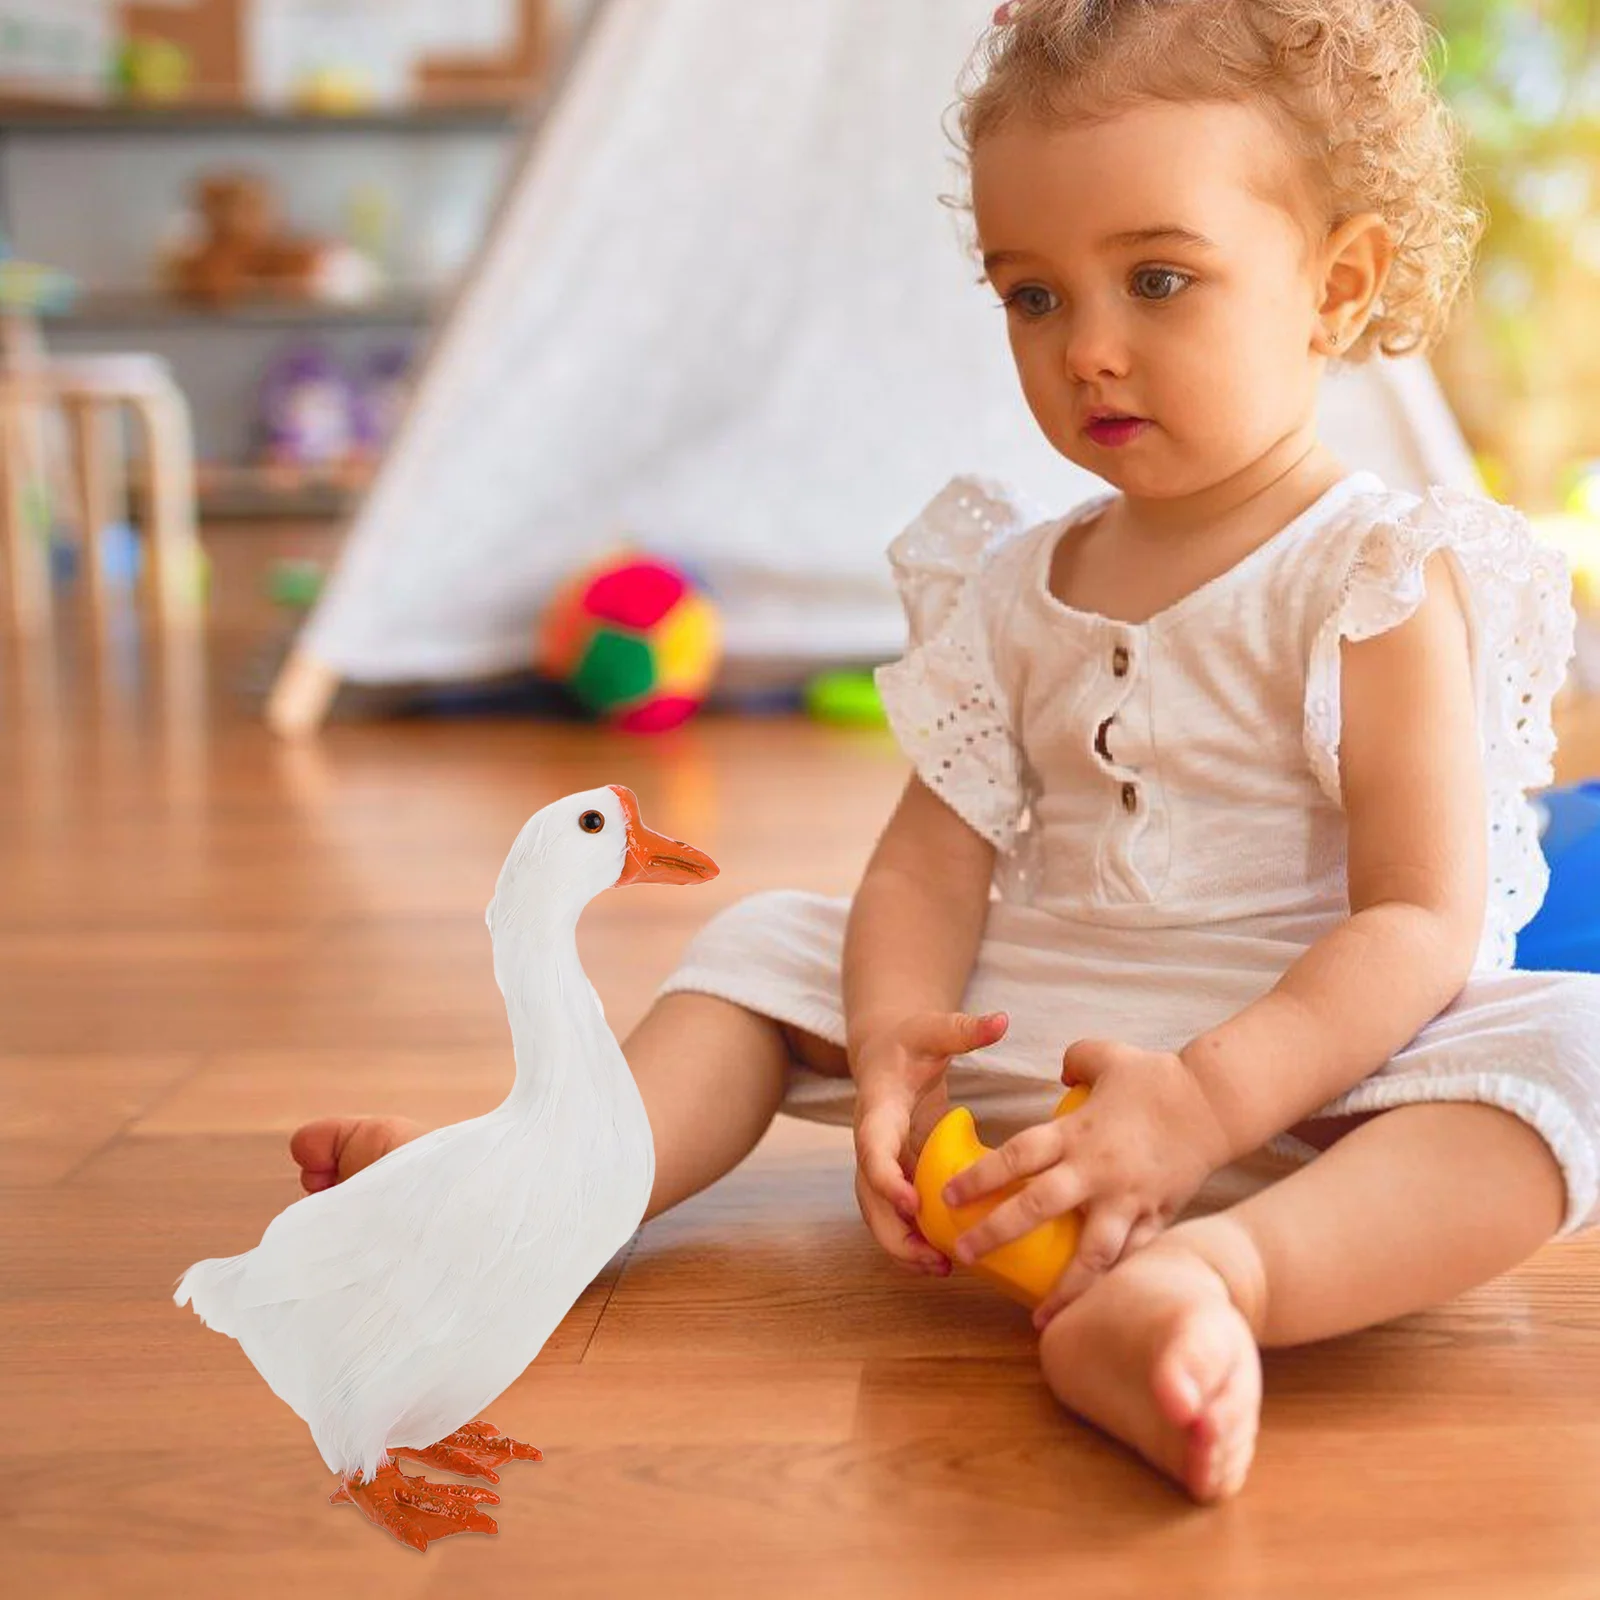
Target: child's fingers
{"points": [[924, 1257], [1143, 1233], [1052, 1194], [1103, 1243], [1031, 1151], [941, 1034], [880, 1137], [894, 1230], [898, 1237], [925, 1116]]}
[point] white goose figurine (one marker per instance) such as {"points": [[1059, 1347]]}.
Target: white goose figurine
{"points": [[390, 1309]]}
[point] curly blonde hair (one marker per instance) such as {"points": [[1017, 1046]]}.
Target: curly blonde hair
{"points": [[1349, 83]]}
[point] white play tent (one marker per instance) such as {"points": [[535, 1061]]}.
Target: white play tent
{"points": [[724, 314]]}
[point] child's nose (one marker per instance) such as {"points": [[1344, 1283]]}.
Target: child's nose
{"points": [[1093, 347]]}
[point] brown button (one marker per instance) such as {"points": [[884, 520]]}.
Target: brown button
{"points": [[1130, 797], [1120, 660]]}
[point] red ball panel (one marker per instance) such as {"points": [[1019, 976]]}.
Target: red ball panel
{"points": [[657, 715], [638, 595]]}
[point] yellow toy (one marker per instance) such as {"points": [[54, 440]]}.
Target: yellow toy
{"points": [[1026, 1269]]}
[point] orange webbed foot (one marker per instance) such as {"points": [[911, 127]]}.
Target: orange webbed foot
{"points": [[416, 1511], [474, 1451]]}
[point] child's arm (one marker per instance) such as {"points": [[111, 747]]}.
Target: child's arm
{"points": [[1413, 791], [910, 943], [916, 919]]}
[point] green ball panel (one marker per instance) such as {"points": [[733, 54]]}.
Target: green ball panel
{"points": [[616, 668]]}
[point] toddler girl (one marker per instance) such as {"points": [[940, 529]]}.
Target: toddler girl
{"points": [[1219, 801]]}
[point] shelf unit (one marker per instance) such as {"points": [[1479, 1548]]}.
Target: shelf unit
{"points": [[148, 308], [251, 492], [27, 118], [237, 488]]}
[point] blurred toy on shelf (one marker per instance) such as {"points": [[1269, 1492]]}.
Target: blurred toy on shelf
{"points": [[317, 57], [154, 71], [634, 641], [370, 212], [240, 246], [234, 245], [335, 91], [316, 417], [382, 388], [308, 414], [28, 289]]}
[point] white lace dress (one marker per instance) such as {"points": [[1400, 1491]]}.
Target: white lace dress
{"points": [[1164, 800]]}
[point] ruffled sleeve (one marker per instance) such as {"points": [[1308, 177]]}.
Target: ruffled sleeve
{"points": [[941, 697], [1522, 625]]}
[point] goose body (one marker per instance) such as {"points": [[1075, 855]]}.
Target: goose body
{"points": [[389, 1310]]}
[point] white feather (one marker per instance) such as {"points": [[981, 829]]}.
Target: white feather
{"points": [[393, 1308]]}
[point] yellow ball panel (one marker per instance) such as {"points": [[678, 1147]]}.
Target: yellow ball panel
{"points": [[687, 644]]}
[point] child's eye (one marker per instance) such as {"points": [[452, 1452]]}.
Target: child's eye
{"points": [[1159, 275], [1031, 300]]}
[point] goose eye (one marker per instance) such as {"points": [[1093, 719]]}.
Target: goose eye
{"points": [[591, 822]]}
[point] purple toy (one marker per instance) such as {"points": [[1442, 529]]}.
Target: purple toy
{"points": [[381, 397], [308, 410]]}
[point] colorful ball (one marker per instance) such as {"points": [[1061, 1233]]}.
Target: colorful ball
{"points": [[634, 640]]}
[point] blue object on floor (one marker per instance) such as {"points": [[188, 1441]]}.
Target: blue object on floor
{"points": [[1565, 935]]}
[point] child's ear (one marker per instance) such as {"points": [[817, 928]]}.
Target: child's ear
{"points": [[1356, 261]]}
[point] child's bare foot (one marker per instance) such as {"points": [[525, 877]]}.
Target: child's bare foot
{"points": [[1157, 1354], [335, 1148]]}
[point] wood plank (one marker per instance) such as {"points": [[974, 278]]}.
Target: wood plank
{"points": [[55, 1111]]}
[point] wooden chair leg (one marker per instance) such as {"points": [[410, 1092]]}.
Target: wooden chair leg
{"points": [[37, 480], [93, 470], [174, 540], [27, 554]]}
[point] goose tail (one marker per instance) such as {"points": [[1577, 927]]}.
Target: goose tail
{"points": [[213, 1286]]}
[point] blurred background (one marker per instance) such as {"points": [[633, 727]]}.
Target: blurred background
{"points": [[280, 206], [356, 149]]}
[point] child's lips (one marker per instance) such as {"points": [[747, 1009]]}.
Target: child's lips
{"points": [[1115, 431]]}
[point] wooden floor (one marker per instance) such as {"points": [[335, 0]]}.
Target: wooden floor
{"points": [[206, 936]]}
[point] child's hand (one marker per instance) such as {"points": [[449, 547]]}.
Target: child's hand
{"points": [[1135, 1153], [900, 1094]]}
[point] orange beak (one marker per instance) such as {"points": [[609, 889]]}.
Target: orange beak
{"points": [[654, 858]]}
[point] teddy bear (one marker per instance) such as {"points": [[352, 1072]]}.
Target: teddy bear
{"points": [[242, 247]]}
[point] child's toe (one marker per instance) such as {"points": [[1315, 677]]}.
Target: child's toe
{"points": [[1197, 1365], [1222, 1435], [335, 1148], [315, 1148]]}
